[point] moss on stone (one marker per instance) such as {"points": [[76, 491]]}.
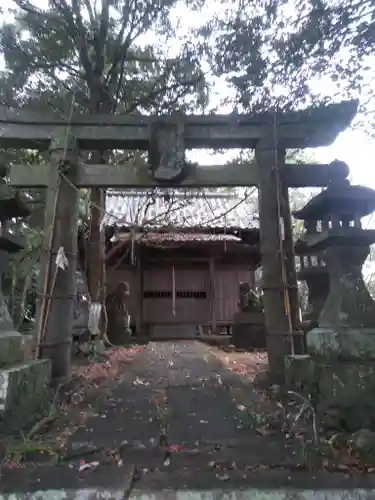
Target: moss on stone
{"points": [[11, 350], [25, 393], [343, 390]]}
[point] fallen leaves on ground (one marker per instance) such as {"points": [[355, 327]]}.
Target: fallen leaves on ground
{"points": [[246, 364], [111, 366], [175, 448], [83, 465], [91, 383]]}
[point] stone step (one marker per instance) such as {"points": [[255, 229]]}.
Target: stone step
{"points": [[167, 331], [24, 393], [124, 481], [11, 348], [63, 482]]}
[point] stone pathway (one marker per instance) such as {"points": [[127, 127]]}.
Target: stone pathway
{"points": [[211, 449], [179, 386]]}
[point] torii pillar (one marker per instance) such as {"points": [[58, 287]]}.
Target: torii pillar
{"points": [[313, 127], [278, 326]]}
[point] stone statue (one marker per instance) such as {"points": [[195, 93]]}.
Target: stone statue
{"points": [[249, 300], [118, 314]]}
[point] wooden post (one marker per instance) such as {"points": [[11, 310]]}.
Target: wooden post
{"points": [[95, 258], [60, 230], [139, 292], [277, 324], [291, 270], [212, 293], [96, 264]]}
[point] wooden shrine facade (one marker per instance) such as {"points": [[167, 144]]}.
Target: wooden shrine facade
{"points": [[166, 138], [183, 273], [181, 282]]}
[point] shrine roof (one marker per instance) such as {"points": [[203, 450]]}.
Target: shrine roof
{"points": [[179, 236], [244, 242], [344, 200], [247, 239], [180, 210]]}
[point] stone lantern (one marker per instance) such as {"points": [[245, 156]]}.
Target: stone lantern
{"points": [[24, 382], [340, 366], [339, 239]]}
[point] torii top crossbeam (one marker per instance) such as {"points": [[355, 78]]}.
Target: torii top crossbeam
{"points": [[312, 127]]}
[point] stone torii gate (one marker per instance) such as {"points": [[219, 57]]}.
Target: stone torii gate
{"points": [[166, 138]]}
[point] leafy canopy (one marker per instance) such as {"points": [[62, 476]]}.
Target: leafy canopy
{"points": [[103, 53]]}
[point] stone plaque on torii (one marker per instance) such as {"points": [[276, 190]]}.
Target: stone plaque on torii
{"points": [[166, 138]]}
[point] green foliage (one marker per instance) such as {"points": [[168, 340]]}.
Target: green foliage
{"points": [[125, 57], [94, 55], [94, 51], [285, 54]]}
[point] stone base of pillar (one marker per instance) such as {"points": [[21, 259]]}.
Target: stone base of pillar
{"points": [[342, 390]]}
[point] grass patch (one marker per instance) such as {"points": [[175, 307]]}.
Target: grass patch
{"points": [[30, 449]]}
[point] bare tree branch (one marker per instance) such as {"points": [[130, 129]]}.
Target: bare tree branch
{"points": [[155, 92], [122, 46], [101, 38], [77, 26], [90, 11], [31, 9], [121, 51]]}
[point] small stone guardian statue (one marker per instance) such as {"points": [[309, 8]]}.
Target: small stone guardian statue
{"points": [[249, 301], [118, 314]]}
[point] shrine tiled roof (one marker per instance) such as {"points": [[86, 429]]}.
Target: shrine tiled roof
{"points": [[158, 209], [186, 237], [176, 237]]}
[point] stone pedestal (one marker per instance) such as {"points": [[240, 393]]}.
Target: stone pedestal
{"points": [[248, 330], [339, 371], [24, 393], [346, 327], [24, 382], [345, 344]]}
